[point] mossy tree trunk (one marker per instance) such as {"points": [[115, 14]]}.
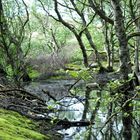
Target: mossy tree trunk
{"points": [[125, 68]]}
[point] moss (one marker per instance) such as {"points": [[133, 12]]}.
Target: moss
{"points": [[74, 66], [13, 126], [34, 74]]}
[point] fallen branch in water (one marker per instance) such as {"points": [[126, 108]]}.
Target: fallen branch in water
{"points": [[49, 95], [67, 124], [74, 84]]}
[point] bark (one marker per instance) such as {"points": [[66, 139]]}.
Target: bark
{"points": [[90, 40], [125, 68], [109, 130], [67, 124], [88, 35], [86, 105], [137, 70], [127, 119], [108, 45], [82, 47]]}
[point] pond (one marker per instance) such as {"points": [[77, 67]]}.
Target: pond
{"points": [[81, 103]]}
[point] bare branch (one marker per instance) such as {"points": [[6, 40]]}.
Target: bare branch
{"points": [[47, 11], [100, 12]]}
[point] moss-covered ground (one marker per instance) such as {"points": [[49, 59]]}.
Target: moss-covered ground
{"points": [[13, 126]]}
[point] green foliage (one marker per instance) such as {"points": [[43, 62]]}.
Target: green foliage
{"points": [[33, 74], [16, 127], [76, 57], [115, 84], [74, 74], [46, 36], [83, 74], [136, 112], [9, 70]]}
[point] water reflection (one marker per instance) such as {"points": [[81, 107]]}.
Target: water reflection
{"points": [[88, 106], [82, 103], [69, 108]]}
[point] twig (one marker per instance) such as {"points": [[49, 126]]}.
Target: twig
{"points": [[74, 84], [119, 110], [48, 93]]}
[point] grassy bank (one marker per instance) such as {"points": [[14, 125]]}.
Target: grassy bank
{"points": [[13, 126]]}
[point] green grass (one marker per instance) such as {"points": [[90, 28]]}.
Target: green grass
{"points": [[13, 126]]}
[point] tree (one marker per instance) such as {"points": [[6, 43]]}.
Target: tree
{"points": [[125, 68], [71, 27], [135, 12], [12, 35]]}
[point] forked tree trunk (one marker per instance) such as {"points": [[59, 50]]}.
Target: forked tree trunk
{"points": [[73, 30], [87, 32]]}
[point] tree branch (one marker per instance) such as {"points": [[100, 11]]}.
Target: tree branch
{"points": [[100, 12], [133, 35]]}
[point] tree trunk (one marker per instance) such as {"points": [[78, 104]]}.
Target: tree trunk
{"points": [[137, 41], [108, 45], [125, 68], [82, 47], [137, 53], [88, 35], [86, 104]]}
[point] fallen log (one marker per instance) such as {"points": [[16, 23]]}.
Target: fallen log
{"points": [[67, 124], [63, 124]]}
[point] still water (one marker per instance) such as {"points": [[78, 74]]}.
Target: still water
{"points": [[79, 104]]}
